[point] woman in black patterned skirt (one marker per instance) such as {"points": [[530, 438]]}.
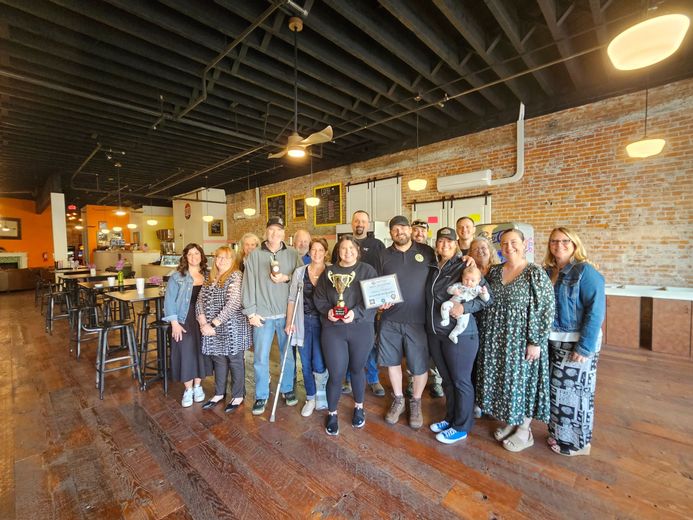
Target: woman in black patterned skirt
{"points": [[574, 342], [225, 330]]}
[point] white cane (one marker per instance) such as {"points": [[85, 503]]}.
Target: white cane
{"points": [[299, 298]]}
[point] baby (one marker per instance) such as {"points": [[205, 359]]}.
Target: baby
{"points": [[462, 292]]}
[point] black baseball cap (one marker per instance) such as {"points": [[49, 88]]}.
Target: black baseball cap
{"points": [[420, 223], [446, 232], [275, 221], [399, 220]]}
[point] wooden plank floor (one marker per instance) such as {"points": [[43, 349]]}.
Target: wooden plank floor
{"points": [[65, 454]]}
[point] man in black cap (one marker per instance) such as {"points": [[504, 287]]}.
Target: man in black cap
{"points": [[402, 325], [419, 233], [266, 278]]}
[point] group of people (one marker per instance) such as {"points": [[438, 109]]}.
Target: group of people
{"points": [[513, 340]]}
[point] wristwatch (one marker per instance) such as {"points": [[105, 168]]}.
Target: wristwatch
{"points": [[212, 324]]}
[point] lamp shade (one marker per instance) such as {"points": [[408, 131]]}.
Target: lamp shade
{"points": [[645, 148], [152, 222], [417, 184], [648, 42], [120, 212], [249, 212], [79, 228], [117, 229], [132, 226], [208, 218], [312, 201]]}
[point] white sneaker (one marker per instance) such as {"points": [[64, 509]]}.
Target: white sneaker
{"points": [[308, 408], [187, 398], [198, 394]]}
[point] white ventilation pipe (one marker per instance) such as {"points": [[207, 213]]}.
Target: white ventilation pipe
{"points": [[520, 162]]}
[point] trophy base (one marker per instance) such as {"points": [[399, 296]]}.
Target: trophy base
{"points": [[339, 312]]}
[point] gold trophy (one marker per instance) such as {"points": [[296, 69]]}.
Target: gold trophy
{"points": [[274, 266], [341, 283]]}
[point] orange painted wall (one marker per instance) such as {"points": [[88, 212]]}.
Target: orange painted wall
{"points": [[37, 231], [96, 214]]}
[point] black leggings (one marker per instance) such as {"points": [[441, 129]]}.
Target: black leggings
{"points": [[346, 345]]}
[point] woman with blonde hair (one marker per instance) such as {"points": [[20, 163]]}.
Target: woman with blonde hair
{"points": [[225, 330], [484, 254], [248, 242], [574, 342]]}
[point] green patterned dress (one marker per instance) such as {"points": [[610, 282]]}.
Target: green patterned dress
{"points": [[508, 387]]}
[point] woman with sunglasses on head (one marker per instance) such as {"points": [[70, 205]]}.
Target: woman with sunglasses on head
{"points": [[346, 340], [574, 342], [187, 362], [225, 329], [513, 361]]}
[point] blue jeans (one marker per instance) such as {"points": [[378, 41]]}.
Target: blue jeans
{"points": [[311, 353], [371, 368], [262, 339]]}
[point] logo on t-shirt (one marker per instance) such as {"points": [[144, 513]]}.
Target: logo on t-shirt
{"points": [[419, 257]]}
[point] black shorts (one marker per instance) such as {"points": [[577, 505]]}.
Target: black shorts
{"points": [[398, 339]]}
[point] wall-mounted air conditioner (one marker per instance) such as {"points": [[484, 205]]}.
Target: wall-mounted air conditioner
{"points": [[464, 181]]}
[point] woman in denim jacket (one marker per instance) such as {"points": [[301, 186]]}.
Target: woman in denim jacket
{"points": [[187, 362], [574, 342]]}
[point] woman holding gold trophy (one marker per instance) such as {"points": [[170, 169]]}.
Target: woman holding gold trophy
{"points": [[347, 328]]}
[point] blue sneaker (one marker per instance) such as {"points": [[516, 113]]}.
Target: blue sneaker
{"points": [[451, 436], [440, 426]]}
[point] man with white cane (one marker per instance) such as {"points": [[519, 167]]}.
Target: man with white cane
{"points": [[266, 278]]}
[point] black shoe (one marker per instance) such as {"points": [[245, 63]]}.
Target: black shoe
{"points": [[259, 406], [359, 418], [332, 426], [210, 404], [230, 408], [290, 398]]}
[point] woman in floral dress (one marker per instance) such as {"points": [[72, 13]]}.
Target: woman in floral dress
{"points": [[513, 363]]}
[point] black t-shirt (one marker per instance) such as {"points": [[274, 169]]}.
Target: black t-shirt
{"points": [[370, 250], [325, 295], [309, 308], [411, 267]]}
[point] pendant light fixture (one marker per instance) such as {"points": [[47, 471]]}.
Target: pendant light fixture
{"points": [[151, 221], [119, 212], [648, 42], [417, 184], [207, 217], [249, 212], [132, 226], [312, 201], [645, 147]]}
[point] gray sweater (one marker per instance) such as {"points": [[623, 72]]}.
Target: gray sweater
{"points": [[260, 294]]}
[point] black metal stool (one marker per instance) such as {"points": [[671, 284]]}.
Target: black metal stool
{"points": [[102, 359], [153, 371], [60, 297]]}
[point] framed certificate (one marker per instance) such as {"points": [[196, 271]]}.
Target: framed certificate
{"points": [[381, 290]]}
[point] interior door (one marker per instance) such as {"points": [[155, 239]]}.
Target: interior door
{"points": [[358, 197], [435, 213], [478, 208]]}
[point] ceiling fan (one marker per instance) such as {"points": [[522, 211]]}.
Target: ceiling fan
{"points": [[296, 145]]}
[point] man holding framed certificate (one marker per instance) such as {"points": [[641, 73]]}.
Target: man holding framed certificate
{"points": [[402, 325]]}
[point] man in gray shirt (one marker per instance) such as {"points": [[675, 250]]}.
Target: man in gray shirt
{"points": [[266, 278]]}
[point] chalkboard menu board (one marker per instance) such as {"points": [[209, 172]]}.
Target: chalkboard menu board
{"points": [[276, 206], [329, 211]]}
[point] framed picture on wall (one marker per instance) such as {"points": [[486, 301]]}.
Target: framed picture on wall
{"points": [[10, 228], [216, 228], [276, 206], [329, 211], [300, 209]]}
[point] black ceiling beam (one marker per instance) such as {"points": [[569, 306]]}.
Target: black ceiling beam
{"points": [[462, 18], [556, 21], [371, 21], [406, 13], [507, 18]]}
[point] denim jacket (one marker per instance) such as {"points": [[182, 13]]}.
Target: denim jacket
{"points": [[177, 299], [580, 304]]}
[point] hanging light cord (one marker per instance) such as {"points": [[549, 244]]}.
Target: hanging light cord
{"points": [[646, 101], [296, 80]]}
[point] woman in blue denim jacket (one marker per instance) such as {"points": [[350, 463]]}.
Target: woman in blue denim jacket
{"points": [[574, 342], [187, 362]]}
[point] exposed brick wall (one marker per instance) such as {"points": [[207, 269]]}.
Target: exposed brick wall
{"points": [[633, 215]]}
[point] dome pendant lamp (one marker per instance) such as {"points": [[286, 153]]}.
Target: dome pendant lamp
{"points": [[645, 147]]}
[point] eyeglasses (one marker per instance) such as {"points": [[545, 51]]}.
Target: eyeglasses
{"points": [[563, 242]]}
